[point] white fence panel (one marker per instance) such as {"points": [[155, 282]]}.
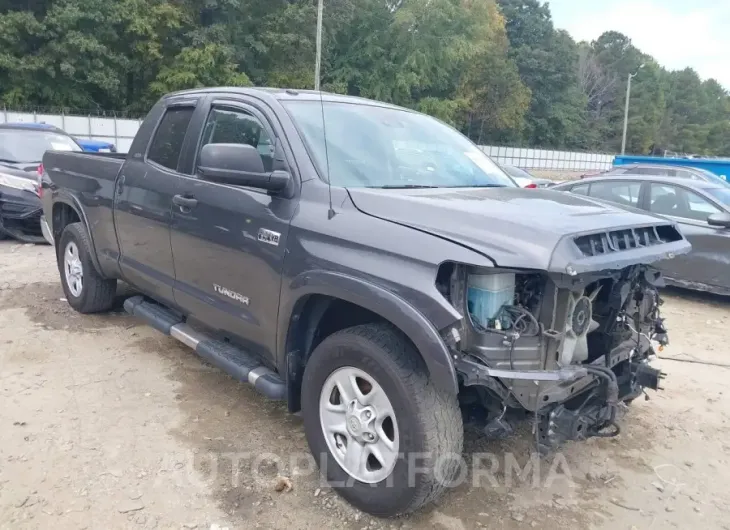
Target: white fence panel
{"points": [[548, 159], [116, 130]]}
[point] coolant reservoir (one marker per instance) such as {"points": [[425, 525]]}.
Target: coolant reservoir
{"points": [[487, 293]]}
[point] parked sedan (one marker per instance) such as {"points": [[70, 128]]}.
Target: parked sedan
{"points": [[683, 172], [701, 208], [524, 179], [21, 150]]}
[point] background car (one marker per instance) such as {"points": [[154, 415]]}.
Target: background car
{"points": [[684, 172], [96, 146], [524, 179], [701, 208], [21, 151]]}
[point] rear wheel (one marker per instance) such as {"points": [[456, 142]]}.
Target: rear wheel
{"points": [[86, 291], [384, 436]]}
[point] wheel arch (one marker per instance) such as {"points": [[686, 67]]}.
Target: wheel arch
{"points": [[313, 294], [66, 209]]}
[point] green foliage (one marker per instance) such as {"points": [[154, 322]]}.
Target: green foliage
{"points": [[198, 67], [496, 69]]}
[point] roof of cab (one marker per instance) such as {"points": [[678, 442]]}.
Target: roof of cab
{"points": [[289, 94]]}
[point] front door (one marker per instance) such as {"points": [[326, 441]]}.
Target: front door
{"points": [[707, 263], [229, 242], [143, 203]]}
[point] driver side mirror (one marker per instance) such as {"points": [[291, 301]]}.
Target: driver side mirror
{"points": [[719, 219], [239, 165]]}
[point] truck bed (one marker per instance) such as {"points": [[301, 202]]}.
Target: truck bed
{"points": [[87, 180], [83, 172]]}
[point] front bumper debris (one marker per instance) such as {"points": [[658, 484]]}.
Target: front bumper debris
{"points": [[591, 407], [585, 416]]}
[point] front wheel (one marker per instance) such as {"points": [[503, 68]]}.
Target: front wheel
{"points": [[383, 435], [86, 290]]}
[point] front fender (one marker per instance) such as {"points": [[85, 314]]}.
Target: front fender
{"points": [[380, 301]]}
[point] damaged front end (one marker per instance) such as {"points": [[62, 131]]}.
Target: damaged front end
{"points": [[566, 349]]}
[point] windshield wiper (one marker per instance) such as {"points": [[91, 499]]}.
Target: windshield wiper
{"points": [[8, 161], [405, 187]]}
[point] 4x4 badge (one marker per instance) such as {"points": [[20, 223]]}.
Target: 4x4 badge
{"points": [[269, 237]]}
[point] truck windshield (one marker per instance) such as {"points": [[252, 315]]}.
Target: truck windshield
{"points": [[371, 146], [28, 146]]}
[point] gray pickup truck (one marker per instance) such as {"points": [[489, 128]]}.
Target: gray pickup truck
{"points": [[373, 268]]}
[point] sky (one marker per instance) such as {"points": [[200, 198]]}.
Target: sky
{"points": [[677, 33]]}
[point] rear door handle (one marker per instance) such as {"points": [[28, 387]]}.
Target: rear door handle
{"points": [[185, 203]]}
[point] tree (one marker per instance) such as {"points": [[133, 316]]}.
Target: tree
{"points": [[198, 67], [546, 60], [498, 70]]}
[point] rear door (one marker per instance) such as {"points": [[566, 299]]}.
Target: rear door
{"points": [[229, 242], [708, 262], [143, 201]]}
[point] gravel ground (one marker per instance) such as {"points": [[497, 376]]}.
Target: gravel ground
{"points": [[106, 424]]}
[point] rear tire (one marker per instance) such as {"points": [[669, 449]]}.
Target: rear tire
{"points": [[426, 426], [86, 291]]}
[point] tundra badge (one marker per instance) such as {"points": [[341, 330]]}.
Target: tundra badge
{"points": [[267, 236], [231, 294]]}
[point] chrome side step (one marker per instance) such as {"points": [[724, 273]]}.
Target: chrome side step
{"points": [[234, 361]]}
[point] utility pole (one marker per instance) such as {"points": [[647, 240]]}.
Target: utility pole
{"points": [[626, 108], [318, 63]]}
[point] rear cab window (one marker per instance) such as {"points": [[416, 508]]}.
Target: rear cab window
{"points": [[167, 141]]}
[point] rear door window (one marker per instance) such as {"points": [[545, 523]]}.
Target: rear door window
{"points": [[168, 139], [580, 189], [619, 192]]}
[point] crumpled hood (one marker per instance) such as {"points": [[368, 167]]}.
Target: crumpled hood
{"points": [[514, 227]]}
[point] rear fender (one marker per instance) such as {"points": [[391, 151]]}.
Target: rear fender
{"points": [[61, 196]]}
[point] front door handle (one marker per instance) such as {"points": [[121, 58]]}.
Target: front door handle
{"points": [[185, 203]]}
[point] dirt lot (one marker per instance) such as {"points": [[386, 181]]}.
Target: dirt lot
{"points": [[106, 424]]}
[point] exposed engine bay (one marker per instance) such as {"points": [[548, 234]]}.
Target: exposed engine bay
{"points": [[569, 351]]}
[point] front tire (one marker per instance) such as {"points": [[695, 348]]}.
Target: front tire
{"points": [[398, 444], [86, 291]]}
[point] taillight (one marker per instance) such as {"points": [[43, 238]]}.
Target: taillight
{"points": [[531, 186], [39, 180]]}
